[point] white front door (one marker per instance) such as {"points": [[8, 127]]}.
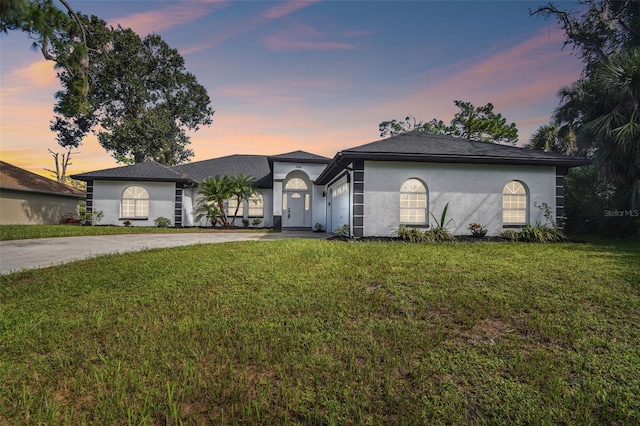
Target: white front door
{"points": [[294, 211]]}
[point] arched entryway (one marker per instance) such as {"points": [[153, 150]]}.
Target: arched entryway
{"points": [[296, 200]]}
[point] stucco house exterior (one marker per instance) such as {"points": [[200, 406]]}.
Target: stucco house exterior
{"points": [[372, 188], [29, 199]]}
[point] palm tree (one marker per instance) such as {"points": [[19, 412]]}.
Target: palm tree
{"points": [[213, 192], [604, 111], [551, 138], [242, 188]]}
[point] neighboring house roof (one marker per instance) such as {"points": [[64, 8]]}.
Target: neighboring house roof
{"points": [[151, 171], [427, 147], [13, 177], [300, 157], [256, 166]]}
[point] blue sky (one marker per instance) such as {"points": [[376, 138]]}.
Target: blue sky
{"points": [[312, 75]]}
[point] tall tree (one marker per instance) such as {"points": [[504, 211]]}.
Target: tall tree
{"points": [[474, 123], [602, 108], [59, 35], [142, 99]]}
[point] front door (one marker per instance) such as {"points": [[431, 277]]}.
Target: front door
{"points": [[294, 210]]}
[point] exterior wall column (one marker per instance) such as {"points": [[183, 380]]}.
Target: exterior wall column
{"points": [[177, 220], [88, 205], [358, 199], [560, 217], [277, 205]]}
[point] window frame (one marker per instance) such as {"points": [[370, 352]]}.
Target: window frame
{"points": [[404, 209], [140, 201], [252, 205], [231, 210], [512, 197]]}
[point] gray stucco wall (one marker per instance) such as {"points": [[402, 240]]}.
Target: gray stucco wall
{"points": [[474, 193], [107, 196]]}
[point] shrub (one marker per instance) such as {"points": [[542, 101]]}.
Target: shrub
{"points": [[535, 234], [127, 223], [257, 221], [162, 222], [477, 230], [342, 231]]}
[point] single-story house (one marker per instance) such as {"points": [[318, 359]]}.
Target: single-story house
{"points": [[373, 188], [27, 198]]}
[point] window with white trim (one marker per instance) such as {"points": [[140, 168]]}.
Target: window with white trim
{"points": [[413, 202], [256, 206], [514, 204], [135, 203], [232, 203]]}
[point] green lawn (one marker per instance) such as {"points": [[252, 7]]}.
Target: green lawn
{"points": [[21, 232], [321, 332]]}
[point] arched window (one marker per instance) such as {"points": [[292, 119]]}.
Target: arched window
{"points": [[256, 206], [296, 184], [514, 204], [413, 202], [135, 203]]}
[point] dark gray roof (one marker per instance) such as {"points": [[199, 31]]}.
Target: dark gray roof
{"points": [[427, 147], [256, 166], [150, 171], [300, 157]]}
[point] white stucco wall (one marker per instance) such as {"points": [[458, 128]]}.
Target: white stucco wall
{"points": [[190, 200], [107, 197], [474, 193]]}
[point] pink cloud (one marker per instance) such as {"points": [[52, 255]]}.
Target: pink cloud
{"points": [[172, 16], [286, 8], [275, 12], [520, 81]]}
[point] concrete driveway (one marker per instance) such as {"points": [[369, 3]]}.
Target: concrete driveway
{"points": [[16, 255]]}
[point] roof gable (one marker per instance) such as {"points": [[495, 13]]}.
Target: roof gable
{"points": [[150, 171], [299, 157], [14, 177]]}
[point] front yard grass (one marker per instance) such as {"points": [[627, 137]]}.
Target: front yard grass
{"points": [[321, 332], [21, 232]]}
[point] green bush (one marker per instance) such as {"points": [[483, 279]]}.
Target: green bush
{"points": [[535, 234], [162, 222], [342, 231]]}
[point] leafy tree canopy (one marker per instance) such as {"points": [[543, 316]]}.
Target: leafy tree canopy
{"points": [[59, 35], [602, 108], [474, 123], [597, 29], [141, 98]]}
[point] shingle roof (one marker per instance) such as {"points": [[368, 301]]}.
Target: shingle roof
{"points": [[300, 157], [256, 166], [151, 171], [13, 177], [427, 147]]}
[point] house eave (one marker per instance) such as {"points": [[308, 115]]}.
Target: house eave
{"points": [[36, 191], [343, 158]]}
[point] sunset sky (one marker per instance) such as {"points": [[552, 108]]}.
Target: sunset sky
{"points": [[312, 75]]}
